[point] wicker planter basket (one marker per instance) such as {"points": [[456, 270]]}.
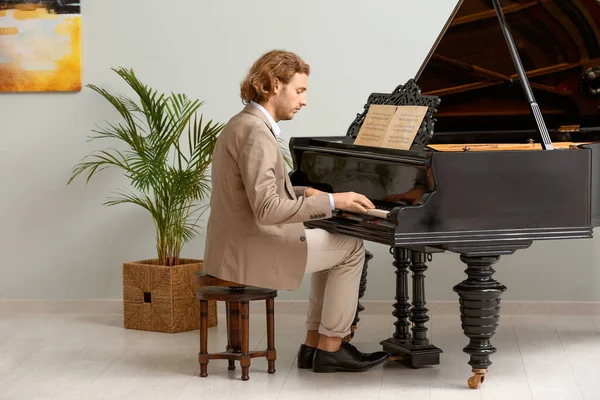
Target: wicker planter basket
{"points": [[163, 299]]}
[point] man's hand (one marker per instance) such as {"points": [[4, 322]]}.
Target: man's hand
{"points": [[312, 192], [354, 202]]}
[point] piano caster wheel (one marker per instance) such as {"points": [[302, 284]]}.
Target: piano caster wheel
{"points": [[477, 379]]}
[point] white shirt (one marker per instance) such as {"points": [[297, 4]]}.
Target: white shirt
{"points": [[276, 128], [277, 131]]}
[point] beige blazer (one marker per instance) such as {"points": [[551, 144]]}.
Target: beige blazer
{"points": [[255, 233]]}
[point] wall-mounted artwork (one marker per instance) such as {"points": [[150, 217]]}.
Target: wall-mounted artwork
{"points": [[40, 45]]}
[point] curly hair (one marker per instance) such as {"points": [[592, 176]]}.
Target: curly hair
{"points": [[280, 64]]}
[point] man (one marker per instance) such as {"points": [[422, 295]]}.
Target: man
{"points": [[255, 233]]}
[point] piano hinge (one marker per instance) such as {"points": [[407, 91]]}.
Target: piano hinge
{"points": [[569, 128]]}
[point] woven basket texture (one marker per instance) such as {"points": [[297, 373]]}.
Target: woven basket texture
{"points": [[163, 299]]}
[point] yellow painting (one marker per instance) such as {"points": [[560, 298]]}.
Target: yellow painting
{"points": [[40, 45]]}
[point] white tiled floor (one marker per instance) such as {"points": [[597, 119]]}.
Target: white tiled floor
{"points": [[83, 352]]}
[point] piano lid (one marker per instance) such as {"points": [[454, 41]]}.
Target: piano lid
{"points": [[471, 69]]}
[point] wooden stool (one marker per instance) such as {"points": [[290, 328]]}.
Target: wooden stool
{"points": [[236, 298]]}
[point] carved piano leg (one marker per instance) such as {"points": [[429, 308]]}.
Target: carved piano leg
{"points": [[401, 307], [479, 313], [413, 351], [361, 292], [428, 353]]}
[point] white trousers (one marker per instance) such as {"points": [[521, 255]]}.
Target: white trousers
{"points": [[335, 262]]}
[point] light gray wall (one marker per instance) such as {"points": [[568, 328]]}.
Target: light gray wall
{"points": [[60, 242]]}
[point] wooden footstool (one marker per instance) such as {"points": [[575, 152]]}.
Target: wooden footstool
{"points": [[236, 298]]}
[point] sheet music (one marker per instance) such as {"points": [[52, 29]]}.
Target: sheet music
{"points": [[390, 126]]}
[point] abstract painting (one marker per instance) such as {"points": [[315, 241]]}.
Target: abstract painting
{"points": [[40, 45]]}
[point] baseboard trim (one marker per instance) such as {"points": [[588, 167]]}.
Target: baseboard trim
{"points": [[371, 306], [506, 307], [110, 306]]}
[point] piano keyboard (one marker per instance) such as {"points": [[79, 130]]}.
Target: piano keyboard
{"points": [[382, 209], [379, 213]]}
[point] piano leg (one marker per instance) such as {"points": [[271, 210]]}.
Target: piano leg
{"points": [[479, 312], [413, 350], [361, 291]]}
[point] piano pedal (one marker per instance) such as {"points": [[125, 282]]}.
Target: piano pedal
{"points": [[397, 357]]}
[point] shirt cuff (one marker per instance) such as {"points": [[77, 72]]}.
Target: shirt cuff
{"points": [[331, 201]]}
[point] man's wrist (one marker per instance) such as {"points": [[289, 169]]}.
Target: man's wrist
{"points": [[309, 191]]}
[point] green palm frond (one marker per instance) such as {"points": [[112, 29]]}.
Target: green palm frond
{"points": [[168, 181]]}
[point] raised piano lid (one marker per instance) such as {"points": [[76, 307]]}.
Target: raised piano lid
{"points": [[471, 69]]}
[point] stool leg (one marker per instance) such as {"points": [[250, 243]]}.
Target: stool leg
{"points": [[271, 353], [203, 356], [245, 359], [230, 324]]}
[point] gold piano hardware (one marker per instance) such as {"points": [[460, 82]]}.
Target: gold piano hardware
{"points": [[569, 128]]}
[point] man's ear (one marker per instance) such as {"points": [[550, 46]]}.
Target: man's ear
{"points": [[276, 86]]}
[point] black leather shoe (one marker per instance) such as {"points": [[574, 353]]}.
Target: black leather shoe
{"points": [[305, 356], [347, 359]]}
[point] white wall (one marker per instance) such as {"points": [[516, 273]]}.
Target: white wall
{"points": [[60, 242]]}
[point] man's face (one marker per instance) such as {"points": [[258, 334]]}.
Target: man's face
{"points": [[290, 98]]}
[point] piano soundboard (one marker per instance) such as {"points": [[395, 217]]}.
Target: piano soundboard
{"points": [[502, 146]]}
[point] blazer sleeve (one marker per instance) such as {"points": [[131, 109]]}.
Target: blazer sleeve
{"points": [[299, 190], [257, 160]]}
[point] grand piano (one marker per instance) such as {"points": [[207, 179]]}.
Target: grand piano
{"points": [[507, 153]]}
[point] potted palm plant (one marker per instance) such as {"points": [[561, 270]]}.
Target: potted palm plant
{"points": [[166, 154]]}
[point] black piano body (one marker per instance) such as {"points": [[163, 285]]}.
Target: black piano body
{"points": [[477, 180], [465, 201]]}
